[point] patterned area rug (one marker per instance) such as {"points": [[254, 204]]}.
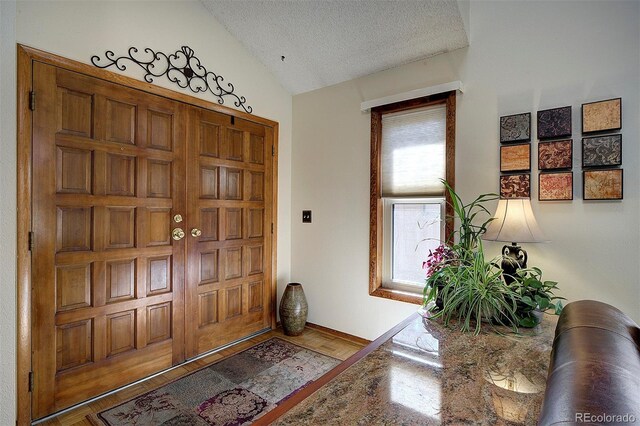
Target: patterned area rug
{"points": [[233, 391]]}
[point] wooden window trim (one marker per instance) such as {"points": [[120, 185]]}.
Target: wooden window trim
{"points": [[376, 208]]}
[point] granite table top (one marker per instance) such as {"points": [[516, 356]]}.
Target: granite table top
{"points": [[429, 374]]}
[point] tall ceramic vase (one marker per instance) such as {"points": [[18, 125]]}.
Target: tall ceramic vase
{"points": [[293, 310]]}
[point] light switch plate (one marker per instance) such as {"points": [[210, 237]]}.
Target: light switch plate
{"points": [[306, 216]]}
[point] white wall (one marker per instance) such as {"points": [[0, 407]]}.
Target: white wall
{"points": [[523, 56], [78, 30], [8, 212]]}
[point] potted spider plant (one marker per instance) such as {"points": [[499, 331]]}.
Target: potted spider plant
{"points": [[467, 235], [463, 285], [471, 290]]}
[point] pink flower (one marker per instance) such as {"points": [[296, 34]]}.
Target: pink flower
{"points": [[437, 259]]}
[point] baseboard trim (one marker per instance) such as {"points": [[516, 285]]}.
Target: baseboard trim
{"points": [[340, 334], [335, 333]]}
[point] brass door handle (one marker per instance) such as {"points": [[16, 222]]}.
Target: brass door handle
{"points": [[178, 234], [195, 232]]}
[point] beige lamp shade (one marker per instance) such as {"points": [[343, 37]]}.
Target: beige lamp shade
{"points": [[514, 222]]}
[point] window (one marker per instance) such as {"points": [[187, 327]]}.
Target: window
{"points": [[411, 226], [412, 148]]}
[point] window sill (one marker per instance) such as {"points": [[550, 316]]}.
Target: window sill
{"points": [[398, 295]]}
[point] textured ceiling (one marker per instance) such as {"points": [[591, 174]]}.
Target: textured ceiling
{"points": [[325, 42]]}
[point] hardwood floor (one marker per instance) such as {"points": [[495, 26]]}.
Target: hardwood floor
{"points": [[335, 344]]}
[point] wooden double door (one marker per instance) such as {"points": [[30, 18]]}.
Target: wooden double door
{"points": [[152, 234]]}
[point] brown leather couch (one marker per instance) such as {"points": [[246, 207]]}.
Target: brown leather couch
{"points": [[594, 374]]}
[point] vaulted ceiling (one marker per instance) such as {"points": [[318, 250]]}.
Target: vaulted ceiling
{"points": [[325, 42]]}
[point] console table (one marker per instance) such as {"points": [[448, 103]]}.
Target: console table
{"points": [[421, 372]]}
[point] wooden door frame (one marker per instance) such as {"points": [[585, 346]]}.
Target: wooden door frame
{"points": [[26, 57]]}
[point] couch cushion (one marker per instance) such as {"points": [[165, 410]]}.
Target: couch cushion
{"points": [[590, 313], [586, 344], [595, 367]]}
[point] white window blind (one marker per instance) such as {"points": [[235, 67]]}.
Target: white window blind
{"points": [[413, 152]]}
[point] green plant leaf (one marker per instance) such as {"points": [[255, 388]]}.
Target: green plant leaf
{"points": [[528, 301], [528, 322], [543, 303], [533, 283]]}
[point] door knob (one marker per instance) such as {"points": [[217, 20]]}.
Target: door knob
{"points": [[177, 234], [195, 232]]}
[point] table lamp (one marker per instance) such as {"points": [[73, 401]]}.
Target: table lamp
{"points": [[514, 222]]}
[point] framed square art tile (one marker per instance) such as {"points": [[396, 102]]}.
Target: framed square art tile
{"points": [[602, 151], [515, 186], [515, 158], [515, 128], [555, 155], [602, 184], [602, 116], [554, 123], [555, 186]]}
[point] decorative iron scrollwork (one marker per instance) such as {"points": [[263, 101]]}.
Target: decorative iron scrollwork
{"points": [[181, 67]]}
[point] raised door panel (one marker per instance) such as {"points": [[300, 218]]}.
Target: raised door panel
{"points": [[120, 280], [256, 298], [255, 259], [73, 229], [121, 175], [233, 223], [73, 287], [255, 223], [158, 322], [74, 343], [209, 267], [159, 275], [233, 263], [75, 113], [256, 149], [235, 144], [121, 332], [233, 301], [209, 224], [209, 182], [256, 186], [233, 186], [207, 308], [209, 139], [120, 122], [159, 227], [160, 130], [73, 170], [120, 230], [158, 179]]}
